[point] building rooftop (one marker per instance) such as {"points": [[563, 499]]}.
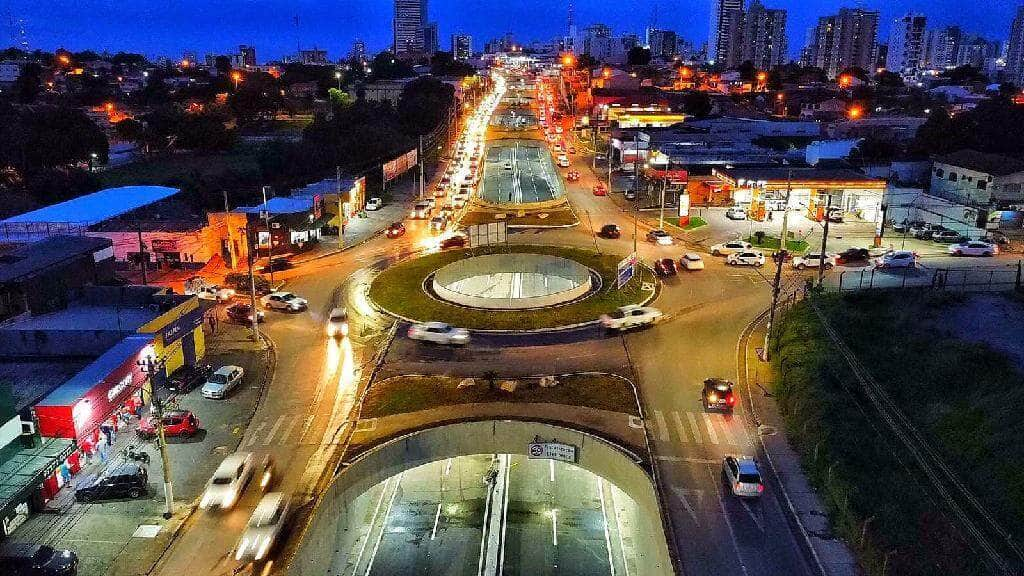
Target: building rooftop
{"points": [[995, 164], [781, 175], [280, 205], [31, 380], [25, 261], [84, 380], [89, 317], [98, 206]]}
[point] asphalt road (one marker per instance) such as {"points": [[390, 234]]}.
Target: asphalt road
{"points": [[531, 179]]}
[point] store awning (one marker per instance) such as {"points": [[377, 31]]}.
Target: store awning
{"points": [[22, 469]]}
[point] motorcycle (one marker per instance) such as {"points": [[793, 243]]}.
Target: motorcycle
{"points": [[131, 453], [268, 473]]}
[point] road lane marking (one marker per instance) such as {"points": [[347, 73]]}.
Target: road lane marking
{"points": [[711, 429], [384, 524], [681, 494], [728, 524], [551, 466], [618, 525], [662, 426], [679, 426], [255, 433], [685, 459], [753, 516], [604, 518], [437, 518], [726, 433], [273, 431], [305, 427], [554, 526], [288, 429], [448, 467], [369, 530], [693, 426]]}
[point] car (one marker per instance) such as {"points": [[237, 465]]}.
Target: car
{"points": [[630, 195], [997, 238], [973, 248], [726, 248], [563, 162], [906, 225], [30, 559], [459, 200], [947, 237], [228, 481], [600, 190], [128, 480], [660, 237], [572, 175], [572, 149], [558, 129], [394, 230], [222, 381], [181, 423], [185, 379], [813, 260], [506, 165], [665, 267], [438, 333], [440, 193], [430, 202], [610, 231], [454, 241], [736, 213], [215, 293], [421, 211], [374, 204], [264, 527], [746, 258], [337, 322], [284, 301], [277, 264], [897, 259], [242, 313], [630, 316], [691, 261], [835, 215], [717, 394], [853, 256], [743, 476], [438, 224], [924, 231]]}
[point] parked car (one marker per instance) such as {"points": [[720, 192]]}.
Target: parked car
{"points": [[213, 292], [124, 481], [187, 378], [925, 231], [438, 333], [228, 481], [736, 213], [947, 237], [600, 190], [181, 423], [897, 259], [691, 261], [29, 559], [610, 231], [814, 260], [337, 323], [906, 225], [284, 301], [630, 316], [563, 161], [374, 204], [746, 258], [717, 394], [277, 264], [242, 313], [973, 248], [660, 237], [454, 241], [394, 230], [835, 215], [726, 248], [853, 256], [665, 267], [264, 527], [743, 476], [222, 381]]}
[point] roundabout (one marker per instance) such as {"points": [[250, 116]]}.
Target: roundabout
{"points": [[513, 288]]}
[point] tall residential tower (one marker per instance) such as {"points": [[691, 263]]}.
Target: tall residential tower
{"points": [[408, 25]]}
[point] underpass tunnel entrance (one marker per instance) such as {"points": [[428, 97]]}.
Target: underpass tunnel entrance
{"points": [[468, 499]]}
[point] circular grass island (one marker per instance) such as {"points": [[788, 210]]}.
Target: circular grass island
{"points": [[406, 290]]}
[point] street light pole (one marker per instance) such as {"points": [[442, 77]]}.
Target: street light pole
{"points": [[824, 241], [661, 217], [270, 237], [150, 365], [252, 285]]}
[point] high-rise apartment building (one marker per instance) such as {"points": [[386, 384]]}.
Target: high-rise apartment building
{"points": [[843, 41], [941, 48], [462, 46], [247, 56], [591, 34], [764, 36], [906, 46], [1015, 49], [358, 52], [408, 24], [431, 43], [725, 32], [662, 43]]}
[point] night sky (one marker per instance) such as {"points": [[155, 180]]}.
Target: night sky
{"points": [[169, 27]]}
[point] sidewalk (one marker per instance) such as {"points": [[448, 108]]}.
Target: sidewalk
{"points": [[127, 537]]}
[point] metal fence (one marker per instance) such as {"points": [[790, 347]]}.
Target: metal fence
{"points": [[966, 279]]}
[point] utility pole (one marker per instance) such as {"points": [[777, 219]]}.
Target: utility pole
{"points": [[824, 242], [783, 240], [420, 156], [881, 226], [143, 255], [150, 365], [780, 260], [636, 182], [661, 217], [270, 238], [252, 284], [341, 212]]}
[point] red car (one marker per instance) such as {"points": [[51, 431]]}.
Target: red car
{"points": [[665, 267], [572, 175], [600, 190], [456, 241], [176, 423], [395, 230]]}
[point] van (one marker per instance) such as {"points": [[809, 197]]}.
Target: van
{"points": [[27, 559]]}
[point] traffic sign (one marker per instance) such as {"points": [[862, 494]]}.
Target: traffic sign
{"points": [[625, 270], [553, 451]]}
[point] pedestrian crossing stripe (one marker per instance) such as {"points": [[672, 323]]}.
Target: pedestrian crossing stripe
{"points": [[696, 428]]}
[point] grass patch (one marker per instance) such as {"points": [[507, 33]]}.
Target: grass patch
{"points": [[411, 393], [694, 223], [773, 243], [962, 395], [555, 217], [238, 165], [399, 290]]}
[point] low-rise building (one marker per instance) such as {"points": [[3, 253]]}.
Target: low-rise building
{"points": [[975, 178], [385, 90]]}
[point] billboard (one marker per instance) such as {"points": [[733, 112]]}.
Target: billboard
{"points": [[625, 270], [398, 166]]}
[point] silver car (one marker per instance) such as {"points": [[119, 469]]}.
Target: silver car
{"points": [[228, 481], [743, 476], [264, 527], [225, 379], [438, 333]]}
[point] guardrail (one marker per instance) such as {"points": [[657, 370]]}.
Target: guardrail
{"points": [[966, 279]]}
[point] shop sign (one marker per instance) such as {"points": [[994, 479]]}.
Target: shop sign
{"points": [[164, 244], [118, 388], [181, 326]]}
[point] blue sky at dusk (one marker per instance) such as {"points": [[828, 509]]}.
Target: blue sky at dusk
{"points": [[169, 27]]}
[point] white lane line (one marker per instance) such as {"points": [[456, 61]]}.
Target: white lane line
{"points": [[288, 430], [662, 426], [273, 431], [693, 426], [504, 514], [604, 518], [305, 427], [681, 494], [486, 527], [728, 523], [726, 433], [384, 524], [711, 429], [753, 516], [255, 433], [685, 459], [448, 467], [551, 467], [369, 530], [679, 426], [618, 525], [437, 518], [554, 526]]}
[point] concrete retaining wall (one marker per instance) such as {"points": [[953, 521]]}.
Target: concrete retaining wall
{"points": [[539, 264], [330, 540]]}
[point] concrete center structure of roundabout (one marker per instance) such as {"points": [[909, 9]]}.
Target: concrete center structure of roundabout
{"points": [[331, 543], [514, 281]]}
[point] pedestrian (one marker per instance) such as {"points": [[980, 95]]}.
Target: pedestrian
{"points": [[769, 215], [65, 473], [106, 431], [102, 449]]}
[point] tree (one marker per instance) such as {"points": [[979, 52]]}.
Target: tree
{"points": [[130, 130], [697, 103], [222, 64], [444, 64], [129, 60], [385, 66], [257, 97], [855, 72], [424, 103], [29, 83], [340, 98], [964, 75], [49, 137], [873, 149], [887, 79], [747, 71], [586, 62], [638, 56], [204, 132]]}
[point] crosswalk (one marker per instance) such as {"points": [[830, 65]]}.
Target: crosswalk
{"points": [[283, 430], [697, 428]]}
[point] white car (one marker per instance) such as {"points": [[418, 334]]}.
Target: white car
{"points": [[660, 237], [736, 213], [438, 333], [374, 204], [284, 301], [337, 323], [897, 259], [507, 165], [228, 481], [631, 316], [813, 260], [222, 381], [563, 162], [745, 258], [973, 248], [203, 290], [726, 248], [743, 476], [692, 261], [264, 527]]}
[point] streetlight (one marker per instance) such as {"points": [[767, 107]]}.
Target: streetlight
{"points": [[92, 161], [855, 112], [151, 365], [337, 76], [236, 76]]}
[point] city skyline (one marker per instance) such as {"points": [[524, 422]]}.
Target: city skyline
{"points": [[278, 29]]}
